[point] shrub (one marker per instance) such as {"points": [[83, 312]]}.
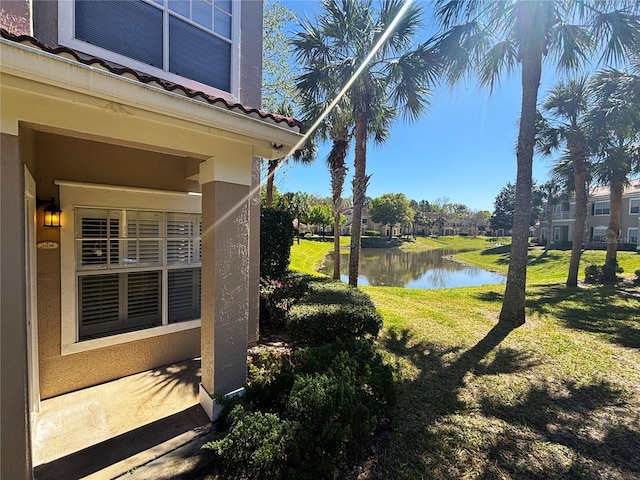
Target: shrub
{"points": [[636, 281], [602, 273], [592, 273], [275, 301], [276, 237], [332, 310], [255, 446], [371, 233], [320, 324], [331, 397], [277, 296]]}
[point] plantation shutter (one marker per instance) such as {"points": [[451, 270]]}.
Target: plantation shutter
{"points": [[144, 238], [183, 248], [143, 299], [123, 257], [184, 294], [98, 304]]}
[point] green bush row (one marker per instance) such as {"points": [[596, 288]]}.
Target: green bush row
{"points": [[322, 404], [332, 310]]}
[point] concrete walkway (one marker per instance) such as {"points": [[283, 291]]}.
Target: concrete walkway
{"points": [[105, 431]]}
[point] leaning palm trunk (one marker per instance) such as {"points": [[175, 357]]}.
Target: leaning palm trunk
{"points": [[338, 173], [576, 143], [617, 187], [360, 181], [513, 304]]}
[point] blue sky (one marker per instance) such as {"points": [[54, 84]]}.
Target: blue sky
{"points": [[462, 148]]}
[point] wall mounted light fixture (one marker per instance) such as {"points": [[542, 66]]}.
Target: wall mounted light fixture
{"points": [[51, 213]]}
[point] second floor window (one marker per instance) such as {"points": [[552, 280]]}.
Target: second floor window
{"points": [[192, 39], [601, 208], [634, 206]]}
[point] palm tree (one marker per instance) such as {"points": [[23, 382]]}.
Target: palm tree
{"points": [[372, 48], [337, 128], [567, 103], [615, 121], [493, 37]]}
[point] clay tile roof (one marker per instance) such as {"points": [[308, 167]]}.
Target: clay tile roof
{"points": [[71, 54]]}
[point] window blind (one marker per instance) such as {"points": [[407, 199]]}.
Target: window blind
{"points": [[155, 247]]}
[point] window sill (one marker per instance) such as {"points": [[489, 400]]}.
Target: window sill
{"points": [[112, 340]]}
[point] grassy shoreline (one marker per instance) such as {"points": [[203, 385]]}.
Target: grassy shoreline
{"points": [[556, 398], [544, 266]]}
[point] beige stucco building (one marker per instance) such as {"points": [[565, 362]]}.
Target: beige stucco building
{"points": [[557, 224], [144, 141]]}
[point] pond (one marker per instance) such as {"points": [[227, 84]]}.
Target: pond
{"points": [[428, 269]]}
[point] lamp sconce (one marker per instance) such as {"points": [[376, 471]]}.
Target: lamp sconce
{"points": [[51, 213]]}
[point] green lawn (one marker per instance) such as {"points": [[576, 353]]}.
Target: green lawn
{"points": [[547, 267], [309, 255], [556, 398]]}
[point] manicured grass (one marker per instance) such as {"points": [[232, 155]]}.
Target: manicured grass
{"points": [[556, 398], [550, 266], [308, 256]]}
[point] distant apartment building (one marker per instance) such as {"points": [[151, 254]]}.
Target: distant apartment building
{"points": [[559, 232]]}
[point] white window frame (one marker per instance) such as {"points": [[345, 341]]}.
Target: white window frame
{"points": [[637, 200], [557, 233], [602, 235], [629, 230], [66, 37], [85, 195], [595, 208]]}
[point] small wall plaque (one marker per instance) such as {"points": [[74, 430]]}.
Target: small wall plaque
{"points": [[47, 245]]}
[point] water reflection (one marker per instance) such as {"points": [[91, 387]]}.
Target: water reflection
{"points": [[425, 270]]}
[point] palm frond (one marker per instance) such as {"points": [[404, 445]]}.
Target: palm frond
{"points": [[619, 33], [501, 57], [570, 46]]}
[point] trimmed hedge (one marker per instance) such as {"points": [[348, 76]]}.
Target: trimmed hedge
{"points": [[330, 311], [276, 238]]}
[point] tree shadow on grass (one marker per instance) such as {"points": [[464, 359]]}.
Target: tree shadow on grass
{"points": [[607, 310], [453, 418], [570, 432], [433, 392]]}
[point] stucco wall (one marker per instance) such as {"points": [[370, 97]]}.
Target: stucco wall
{"points": [[15, 457], [15, 16], [251, 94], [66, 158]]}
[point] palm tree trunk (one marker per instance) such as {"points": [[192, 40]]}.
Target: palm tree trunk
{"points": [[338, 173], [576, 143], [613, 232], [271, 172], [550, 222], [360, 181], [513, 304]]}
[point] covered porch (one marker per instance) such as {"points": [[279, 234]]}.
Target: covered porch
{"points": [[110, 429]]}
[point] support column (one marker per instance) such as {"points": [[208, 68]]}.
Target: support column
{"points": [[254, 254], [15, 444], [225, 279]]}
